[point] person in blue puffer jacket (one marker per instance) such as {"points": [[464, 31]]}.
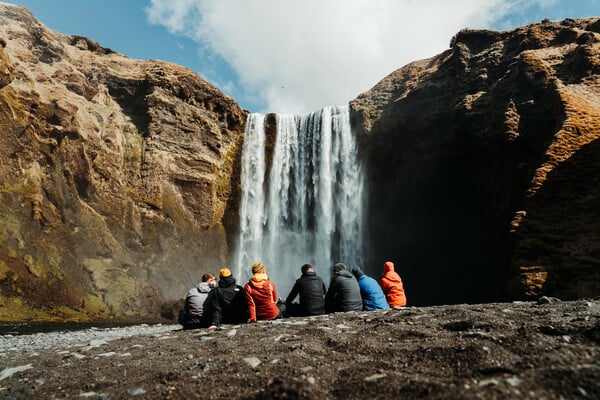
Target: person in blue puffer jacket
{"points": [[372, 294]]}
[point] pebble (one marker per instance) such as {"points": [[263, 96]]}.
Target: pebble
{"points": [[375, 377], [136, 392], [514, 381], [253, 362], [231, 333], [8, 372]]}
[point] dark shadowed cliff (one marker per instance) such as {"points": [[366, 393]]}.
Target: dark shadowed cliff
{"points": [[116, 176], [484, 166]]}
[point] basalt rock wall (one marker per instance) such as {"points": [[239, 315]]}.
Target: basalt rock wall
{"points": [[117, 177], [484, 166]]}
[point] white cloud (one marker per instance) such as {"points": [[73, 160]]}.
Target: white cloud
{"points": [[297, 56]]}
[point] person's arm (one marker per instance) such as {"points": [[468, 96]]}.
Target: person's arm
{"points": [[294, 292], [250, 303], [330, 297], [273, 292], [215, 305]]}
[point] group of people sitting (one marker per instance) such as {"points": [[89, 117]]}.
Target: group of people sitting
{"points": [[212, 303]]}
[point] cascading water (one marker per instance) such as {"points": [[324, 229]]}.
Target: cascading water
{"points": [[308, 209]]}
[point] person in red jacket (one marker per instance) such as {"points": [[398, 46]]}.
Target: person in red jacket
{"points": [[261, 295], [391, 283]]}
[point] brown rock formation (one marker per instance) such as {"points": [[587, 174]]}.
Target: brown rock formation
{"points": [[115, 176], [484, 166]]}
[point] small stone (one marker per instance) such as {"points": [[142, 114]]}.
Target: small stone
{"points": [[231, 333], [88, 394], [205, 338], [514, 381], [136, 392], [306, 369], [374, 377], [342, 326], [97, 342], [311, 380], [77, 356], [190, 357], [567, 338], [253, 362], [488, 382], [108, 354], [8, 372]]}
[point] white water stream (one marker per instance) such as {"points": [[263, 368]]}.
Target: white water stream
{"points": [[308, 208]]}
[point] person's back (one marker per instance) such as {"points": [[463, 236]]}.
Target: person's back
{"points": [[261, 295], [227, 301], [343, 293], [372, 294], [195, 313], [392, 286], [311, 290]]}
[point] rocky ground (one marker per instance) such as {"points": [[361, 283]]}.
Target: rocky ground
{"points": [[540, 350]]}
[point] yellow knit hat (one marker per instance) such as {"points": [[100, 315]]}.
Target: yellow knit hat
{"points": [[224, 272]]}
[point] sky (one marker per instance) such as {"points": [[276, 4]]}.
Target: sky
{"points": [[291, 56]]}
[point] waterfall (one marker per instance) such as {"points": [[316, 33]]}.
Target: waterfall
{"points": [[308, 207]]}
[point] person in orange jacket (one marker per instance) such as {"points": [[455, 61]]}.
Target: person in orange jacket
{"points": [[261, 295], [391, 283]]}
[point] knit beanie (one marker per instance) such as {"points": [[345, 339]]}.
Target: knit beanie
{"points": [[357, 272], [258, 268], [224, 272], [339, 267]]}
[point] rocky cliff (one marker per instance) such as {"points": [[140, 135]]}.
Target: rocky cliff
{"points": [[484, 166], [119, 178], [116, 176]]}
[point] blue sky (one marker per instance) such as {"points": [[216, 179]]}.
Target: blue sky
{"points": [[291, 56]]}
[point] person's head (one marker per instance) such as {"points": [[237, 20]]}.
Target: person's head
{"points": [[258, 268], [224, 273], [388, 266], [306, 268], [337, 268], [357, 272], [209, 278]]}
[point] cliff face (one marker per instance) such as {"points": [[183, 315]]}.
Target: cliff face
{"points": [[119, 178], [484, 166], [116, 176]]}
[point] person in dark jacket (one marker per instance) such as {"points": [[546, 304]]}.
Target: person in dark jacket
{"points": [[372, 295], [195, 314], [226, 302], [311, 289], [343, 293]]}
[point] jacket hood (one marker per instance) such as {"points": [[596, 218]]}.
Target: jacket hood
{"points": [[346, 274], [204, 287], [259, 277], [388, 266], [226, 281]]}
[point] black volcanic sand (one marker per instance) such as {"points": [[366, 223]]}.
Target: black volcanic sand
{"points": [[544, 350]]}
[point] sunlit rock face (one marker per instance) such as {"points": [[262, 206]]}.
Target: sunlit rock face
{"points": [[484, 166], [115, 177]]}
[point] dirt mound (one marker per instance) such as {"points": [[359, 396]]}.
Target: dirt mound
{"points": [[513, 350]]}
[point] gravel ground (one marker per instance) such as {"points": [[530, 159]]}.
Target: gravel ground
{"points": [[544, 350]]}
